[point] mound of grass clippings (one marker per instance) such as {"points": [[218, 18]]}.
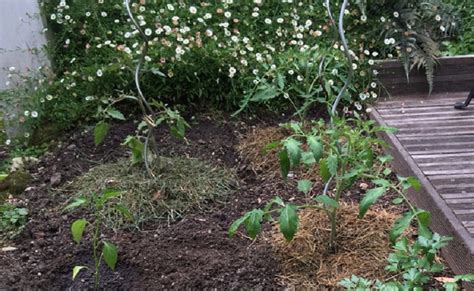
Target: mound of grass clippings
{"points": [[184, 184]]}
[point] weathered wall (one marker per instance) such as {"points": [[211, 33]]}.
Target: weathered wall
{"points": [[20, 36], [21, 43]]}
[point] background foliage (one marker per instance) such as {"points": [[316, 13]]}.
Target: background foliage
{"points": [[225, 54]]}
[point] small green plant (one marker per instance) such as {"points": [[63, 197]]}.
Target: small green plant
{"points": [[414, 265], [109, 252], [12, 219]]}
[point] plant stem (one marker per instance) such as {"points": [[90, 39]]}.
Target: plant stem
{"points": [[333, 217], [95, 240]]}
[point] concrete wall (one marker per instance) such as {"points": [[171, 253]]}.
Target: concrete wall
{"points": [[20, 36]]}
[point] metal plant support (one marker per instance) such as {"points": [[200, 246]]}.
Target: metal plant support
{"points": [[340, 30], [148, 113]]}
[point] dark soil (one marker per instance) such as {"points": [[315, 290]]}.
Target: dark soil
{"points": [[195, 252]]}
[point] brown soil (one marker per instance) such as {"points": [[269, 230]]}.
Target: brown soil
{"points": [[195, 252]]}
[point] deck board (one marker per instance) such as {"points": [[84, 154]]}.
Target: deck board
{"points": [[435, 143]]}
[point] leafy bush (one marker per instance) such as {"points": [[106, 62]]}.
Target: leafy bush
{"points": [[414, 265], [12, 219], [464, 44], [224, 53]]}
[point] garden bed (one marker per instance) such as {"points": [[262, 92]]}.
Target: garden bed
{"points": [[194, 252]]}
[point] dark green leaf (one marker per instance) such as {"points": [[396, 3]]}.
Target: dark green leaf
{"points": [[77, 229], [110, 253], [370, 198], [253, 223], [400, 226], [315, 146], [324, 170], [332, 164], [424, 218], [280, 81], [137, 148], [284, 163], [236, 224], [288, 221], [100, 132], [265, 94], [305, 186]]}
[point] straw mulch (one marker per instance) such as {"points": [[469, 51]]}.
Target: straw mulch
{"points": [[252, 147], [266, 163], [362, 248]]}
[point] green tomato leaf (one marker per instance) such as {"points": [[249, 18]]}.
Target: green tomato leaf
{"points": [[137, 148], [111, 193], [369, 199], [122, 209], [288, 221], [400, 225], [450, 286], [305, 186], [324, 170], [270, 147], [308, 158], [110, 253], [77, 229], [327, 201], [265, 94], [100, 132], [387, 171], [464, 277], [424, 219], [236, 224], [332, 164], [76, 270], [414, 183], [398, 200], [114, 113], [77, 203], [315, 146], [253, 223], [284, 163], [292, 146]]}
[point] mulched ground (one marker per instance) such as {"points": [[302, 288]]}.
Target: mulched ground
{"points": [[195, 252]]}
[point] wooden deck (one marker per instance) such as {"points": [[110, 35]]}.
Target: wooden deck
{"points": [[435, 143]]}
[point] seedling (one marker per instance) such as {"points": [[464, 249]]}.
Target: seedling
{"points": [[98, 204]]}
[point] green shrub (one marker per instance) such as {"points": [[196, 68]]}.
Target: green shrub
{"points": [[226, 54], [12, 220]]}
